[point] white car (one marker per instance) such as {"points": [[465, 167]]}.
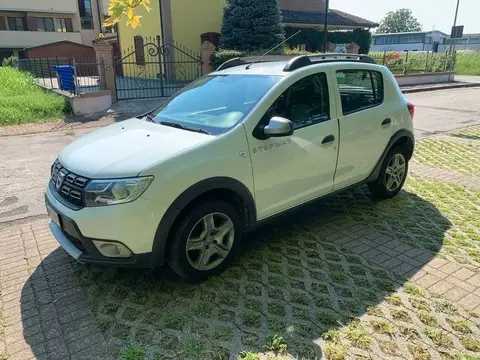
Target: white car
{"points": [[231, 150]]}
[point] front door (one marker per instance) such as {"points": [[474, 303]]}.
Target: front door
{"points": [[294, 169], [364, 128]]}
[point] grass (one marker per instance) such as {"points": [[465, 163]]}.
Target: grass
{"points": [[471, 343], [3, 323], [412, 289], [468, 63], [427, 318], [277, 344], [133, 353], [247, 355], [460, 325], [335, 352], [418, 352], [357, 335], [383, 327], [449, 155], [438, 337], [21, 101]]}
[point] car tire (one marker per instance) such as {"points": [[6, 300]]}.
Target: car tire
{"points": [[393, 174], [205, 240]]}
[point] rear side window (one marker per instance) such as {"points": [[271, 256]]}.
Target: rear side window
{"points": [[360, 89]]}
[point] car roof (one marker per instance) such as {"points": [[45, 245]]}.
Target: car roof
{"points": [[277, 68], [260, 68]]}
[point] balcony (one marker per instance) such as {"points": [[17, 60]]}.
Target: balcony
{"points": [[27, 39], [46, 6]]}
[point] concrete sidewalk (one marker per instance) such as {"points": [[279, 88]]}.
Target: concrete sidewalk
{"points": [[461, 81]]}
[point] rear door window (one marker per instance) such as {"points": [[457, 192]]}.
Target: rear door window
{"points": [[360, 89]]}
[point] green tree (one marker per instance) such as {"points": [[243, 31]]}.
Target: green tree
{"points": [[117, 9], [251, 25], [401, 20]]}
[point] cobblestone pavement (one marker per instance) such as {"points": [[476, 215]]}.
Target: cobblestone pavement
{"points": [[347, 277]]}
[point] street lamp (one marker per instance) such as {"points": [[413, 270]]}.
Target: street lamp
{"points": [[327, 6]]}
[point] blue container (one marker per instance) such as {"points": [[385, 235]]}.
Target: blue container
{"points": [[65, 74]]}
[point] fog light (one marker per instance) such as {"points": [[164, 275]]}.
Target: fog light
{"points": [[112, 249]]}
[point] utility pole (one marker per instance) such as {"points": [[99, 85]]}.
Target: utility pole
{"points": [[453, 40], [325, 28]]}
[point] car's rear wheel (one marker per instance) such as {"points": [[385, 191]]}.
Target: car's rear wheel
{"points": [[392, 174], [205, 240]]}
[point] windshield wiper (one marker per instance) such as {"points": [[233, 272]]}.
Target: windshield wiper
{"points": [[180, 126], [150, 118]]}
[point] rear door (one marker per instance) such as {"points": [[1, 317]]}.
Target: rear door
{"points": [[365, 129]]}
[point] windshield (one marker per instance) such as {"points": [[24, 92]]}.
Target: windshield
{"points": [[215, 104]]}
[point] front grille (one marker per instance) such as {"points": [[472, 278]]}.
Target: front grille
{"points": [[68, 185], [75, 242]]}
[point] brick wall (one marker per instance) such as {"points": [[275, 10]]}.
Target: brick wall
{"points": [[303, 5], [62, 49]]}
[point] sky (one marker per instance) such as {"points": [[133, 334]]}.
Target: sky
{"points": [[430, 13]]}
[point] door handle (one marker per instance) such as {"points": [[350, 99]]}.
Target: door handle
{"points": [[387, 121], [328, 139]]}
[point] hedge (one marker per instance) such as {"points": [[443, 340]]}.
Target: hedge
{"points": [[314, 39]]}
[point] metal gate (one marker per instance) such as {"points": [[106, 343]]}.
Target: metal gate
{"points": [[153, 68]]}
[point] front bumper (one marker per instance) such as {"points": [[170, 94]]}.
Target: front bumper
{"points": [[134, 225], [83, 249]]}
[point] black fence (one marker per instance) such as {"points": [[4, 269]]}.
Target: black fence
{"points": [[66, 74], [154, 68], [415, 62]]}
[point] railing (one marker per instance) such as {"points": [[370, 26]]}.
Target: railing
{"points": [[66, 74], [414, 62]]}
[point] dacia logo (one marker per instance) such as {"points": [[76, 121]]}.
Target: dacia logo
{"points": [[271, 146], [60, 178]]}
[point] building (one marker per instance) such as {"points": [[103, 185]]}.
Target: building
{"points": [[26, 24], [467, 42], [172, 19], [410, 41]]}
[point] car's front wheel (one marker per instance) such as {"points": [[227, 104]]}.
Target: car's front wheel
{"points": [[205, 240], [392, 174]]}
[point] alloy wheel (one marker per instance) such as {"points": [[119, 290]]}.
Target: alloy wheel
{"points": [[210, 241], [395, 172]]}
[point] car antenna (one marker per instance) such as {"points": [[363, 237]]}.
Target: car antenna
{"points": [[269, 51]]}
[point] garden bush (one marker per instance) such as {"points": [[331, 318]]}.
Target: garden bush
{"points": [[11, 61]]}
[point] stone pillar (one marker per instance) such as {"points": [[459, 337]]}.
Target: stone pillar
{"points": [[106, 66], [353, 48], [207, 49]]}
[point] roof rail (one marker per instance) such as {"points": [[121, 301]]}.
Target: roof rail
{"points": [[231, 63], [306, 60]]}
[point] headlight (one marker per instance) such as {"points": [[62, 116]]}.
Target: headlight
{"points": [[113, 192]]}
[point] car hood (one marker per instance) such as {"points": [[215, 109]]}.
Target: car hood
{"points": [[126, 148]]}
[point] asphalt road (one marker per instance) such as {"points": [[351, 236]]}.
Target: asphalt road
{"points": [[445, 110], [25, 160]]}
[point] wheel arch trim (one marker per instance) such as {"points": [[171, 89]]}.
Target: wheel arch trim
{"points": [[189, 195], [393, 140]]}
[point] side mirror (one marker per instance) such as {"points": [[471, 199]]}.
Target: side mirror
{"points": [[278, 127]]}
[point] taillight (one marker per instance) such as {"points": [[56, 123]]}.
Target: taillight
{"points": [[411, 109]]}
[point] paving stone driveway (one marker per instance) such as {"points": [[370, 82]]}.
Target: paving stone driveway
{"points": [[348, 277]]}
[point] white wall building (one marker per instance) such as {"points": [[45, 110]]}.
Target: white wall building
{"points": [[467, 42], [410, 41], [30, 23]]}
